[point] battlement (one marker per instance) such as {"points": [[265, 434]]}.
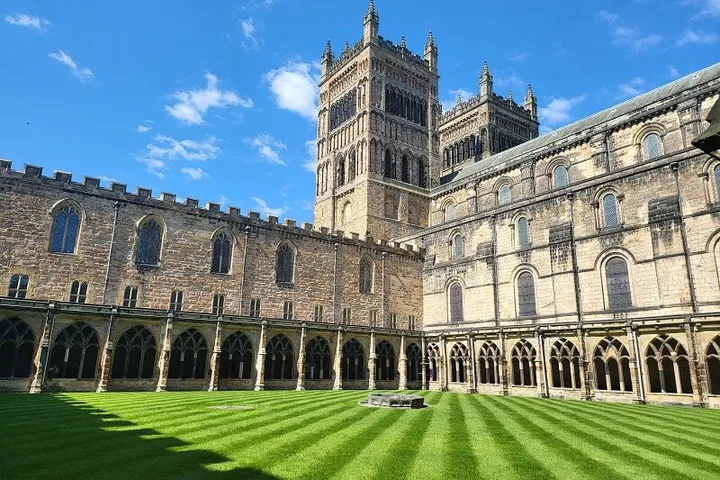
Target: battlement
{"points": [[461, 107], [401, 50]]}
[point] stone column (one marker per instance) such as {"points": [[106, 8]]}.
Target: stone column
{"points": [[301, 360], [402, 364], [371, 362], [214, 379], [164, 360], [43, 352], [442, 367], [503, 370], [698, 376], [585, 371], [107, 354], [260, 362], [540, 371], [635, 364], [424, 363], [473, 364], [337, 363]]}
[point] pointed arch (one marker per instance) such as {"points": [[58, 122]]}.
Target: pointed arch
{"points": [[150, 234], [222, 247], [68, 217], [458, 363], [188, 357], [279, 359], [236, 356], [489, 363], [668, 366], [433, 352], [565, 364], [75, 352], [285, 264], [135, 354], [523, 364], [317, 359], [353, 360], [17, 344], [414, 361], [611, 361], [366, 274], [712, 357], [385, 361]]}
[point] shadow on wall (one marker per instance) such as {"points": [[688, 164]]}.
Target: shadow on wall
{"points": [[49, 436]]}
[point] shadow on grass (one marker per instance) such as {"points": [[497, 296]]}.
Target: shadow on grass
{"points": [[110, 446]]}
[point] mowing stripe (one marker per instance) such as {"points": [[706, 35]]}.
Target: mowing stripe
{"points": [[459, 441]]}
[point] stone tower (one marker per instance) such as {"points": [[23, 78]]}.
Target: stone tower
{"points": [[378, 138]]}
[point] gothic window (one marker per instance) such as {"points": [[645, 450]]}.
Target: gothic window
{"points": [[149, 243], [130, 296], [612, 366], [221, 253], [385, 361], [352, 166], [446, 158], [236, 357], [526, 295], [504, 194], [389, 164], [668, 366], [176, 301], [75, 352], [450, 211], [565, 364], [422, 173], [353, 360], [716, 173], [652, 146], [66, 226], [346, 212], [458, 247], [218, 304], [78, 292], [610, 210], [366, 276], [458, 363], [317, 359], [188, 357], [472, 146], [455, 294], [17, 343], [414, 361], [279, 360], [712, 357], [18, 286], [618, 283], [340, 171], [405, 169], [489, 363], [523, 232], [287, 310], [284, 265], [134, 354], [433, 352], [560, 176], [523, 364]]}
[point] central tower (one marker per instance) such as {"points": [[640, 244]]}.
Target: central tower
{"points": [[378, 142]]}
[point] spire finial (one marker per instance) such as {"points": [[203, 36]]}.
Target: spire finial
{"points": [[346, 47], [510, 97], [371, 7], [403, 44], [458, 99], [485, 69], [430, 39]]}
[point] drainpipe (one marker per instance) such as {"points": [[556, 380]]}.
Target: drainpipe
{"points": [[244, 268], [496, 286], [382, 293], [334, 297], [110, 252], [683, 234]]}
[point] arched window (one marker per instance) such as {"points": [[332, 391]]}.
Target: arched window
{"points": [[712, 357], [652, 146], [458, 363], [565, 364], [385, 361], [618, 283], [489, 363], [352, 170], [422, 174], [74, 353], [560, 176], [523, 232], [353, 360], [668, 366], [317, 359], [284, 265], [716, 173], [66, 226], [346, 213], [433, 352], [450, 211], [366, 276], [17, 343], [405, 169], [188, 357], [149, 243], [526, 295], [414, 360], [612, 366], [222, 253], [340, 171], [279, 360], [455, 294], [458, 248], [135, 354], [389, 164], [610, 210], [236, 357], [523, 364], [504, 194]]}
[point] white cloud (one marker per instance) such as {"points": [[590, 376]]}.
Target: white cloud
{"points": [[83, 74], [449, 103], [143, 128], [248, 28], [673, 72], [708, 8], [631, 89], [559, 109], [608, 17], [164, 149], [311, 149], [27, 21], [697, 37], [192, 105], [626, 35], [195, 173], [519, 57], [295, 87], [265, 209], [268, 147]]}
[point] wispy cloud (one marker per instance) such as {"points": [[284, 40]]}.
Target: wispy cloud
{"points": [[253, 4], [295, 89], [265, 209], [311, 149], [268, 148], [628, 36], [164, 149], [83, 74], [192, 105], [143, 128], [559, 109], [194, 173], [673, 72], [249, 29], [692, 37], [519, 57], [450, 102], [707, 8], [27, 21], [631, 89]]}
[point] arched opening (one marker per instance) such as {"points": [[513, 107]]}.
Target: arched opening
{"points": [[389, 164], [236, 357], [523, 364], [618, 283], [433, 352], [17, 343], [150, 235], [455, 301], [668, 366], [135, 354], [222, 253], [526, 295], [612, 366], [414, 360], [405, 169], [488, 363], [188, 357], [458, 362], [66, 229], [279, 360], [285, 263], [317, 359], [565, 363], [712, 357], [353, 360], [385, 361], [74, 353]]}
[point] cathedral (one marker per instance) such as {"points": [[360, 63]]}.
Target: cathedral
{"points": [[450, 250]]}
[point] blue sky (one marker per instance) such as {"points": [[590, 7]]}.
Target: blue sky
{"points": [[216, 100]]}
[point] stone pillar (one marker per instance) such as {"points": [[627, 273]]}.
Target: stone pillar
{"points": [[402, 364], [585, 370], [371, 362], [503, 370], [473, 364], [164, 360], [337, 363], [260, 362], [107, 354], [442, 367], [301, 359], [43, 352], [540, 371], [698, 376], [424, 363], [635, 364], [214, 379]]}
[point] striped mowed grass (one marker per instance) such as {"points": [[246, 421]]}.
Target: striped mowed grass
{"points": [[326, 434]]}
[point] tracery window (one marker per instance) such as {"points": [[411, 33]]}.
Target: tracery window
{"points": [[489, 363], [526, 295], [279, 361], [352, 166], [560, 176], [612, 366], [317, 359], [523, 232], [433, 352], [18, 286], [135, 354], [618, 283], [74, 353], [284, 264], [565, 364], [668, 366], [221, 253], [504, 194], [149, 243], [343, 109], [712, 357], [353, 360], [17, 343], [340, 171], [455, 294], [414, 361], [188, 357], [458, 363], [366, 276], [523, 364], [652, 146], [385, 361], [78, 292], [610, 210], [130, 296], [66, 227], [236, 357]]}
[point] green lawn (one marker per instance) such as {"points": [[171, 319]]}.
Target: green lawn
{"points": [[320, 434]]}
